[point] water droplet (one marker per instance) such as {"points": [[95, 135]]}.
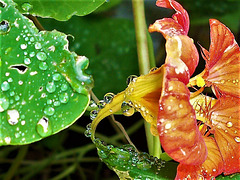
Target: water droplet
{"points": [[41, 56], [23, 46], [237, 139], [5, 86], [88, 133], [229, 124], [44, 127], [222, 81], [64, 87], [13, 116], [127, 109], [57, 103], [93, 114], [50, 87], [32, 54], [7, 140], [51, 48], [56, 77], [63, 98], [131, 78], [8, 50], [38, 45], [101, 104], [4, 104], [4, 27], [49, 110], [153, 69], [27, 7], [27, 61], [92, 104], [108, 97], [43, 66]]}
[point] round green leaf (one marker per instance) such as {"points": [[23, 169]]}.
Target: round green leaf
{"points": [[61, 9], [44, 87]]}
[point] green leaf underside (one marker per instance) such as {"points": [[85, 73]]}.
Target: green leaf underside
{"points": [[58, 9], [110, 45], [128, 164], [44, 88]]}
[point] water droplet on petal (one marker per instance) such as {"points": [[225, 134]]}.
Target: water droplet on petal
{"points": [[108, 97], [4, 104], [101, 104], [41, 56], [49, 110], [44, 127], [127, 110], [4, 27], [13, 116], [237, 139], [5, 86], [153, 69], [229, 124], [27, 7], [93, 114], [63, 98], [131, 78], [50, 87]]}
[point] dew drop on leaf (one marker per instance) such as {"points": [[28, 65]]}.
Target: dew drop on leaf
{"points": [[5, 86], [38, 45], [108, 97], [44, 127], [4, 104], [41, 56], [56, 77], [127, 110], [27, 7], [63, 98], [13, 116], [27, 61], [64, 87], [43, 66], [4, 27], [50, 87], [49, 110], [23, 46]]}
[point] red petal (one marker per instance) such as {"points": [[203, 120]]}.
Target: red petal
{"points": [[212, 167], [181, 15], [178, 25], [223, 65], [177, 126], [225, 120]]}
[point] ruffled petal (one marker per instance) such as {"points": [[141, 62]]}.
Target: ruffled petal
{"points": [[225, 121], [177, 126], [212, 167], [177, 25], [223, 63]]}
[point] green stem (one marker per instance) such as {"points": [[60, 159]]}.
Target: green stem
{"points": [[14, 167], [146, 60]]}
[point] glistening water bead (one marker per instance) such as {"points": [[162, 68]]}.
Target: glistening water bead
{"points": [[127, 110], [50, 87], [49, 110], [108, 97], [4, 27], [41, 56]]}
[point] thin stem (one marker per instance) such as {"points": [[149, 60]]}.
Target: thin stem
{"points": [[14, 167], [36, 22], [146, 60]]}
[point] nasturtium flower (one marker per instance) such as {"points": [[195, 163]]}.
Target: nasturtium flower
{"points": [[222, 61], [211, 145]]}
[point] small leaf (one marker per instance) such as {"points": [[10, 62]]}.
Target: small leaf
{"points": [[61, 10], [129, 164], [44, 87]]}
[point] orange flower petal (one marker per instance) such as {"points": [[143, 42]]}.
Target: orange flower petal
{"points": [[177, 126], [225, 121], [212, 167], [223, 64], [177, 25]]}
